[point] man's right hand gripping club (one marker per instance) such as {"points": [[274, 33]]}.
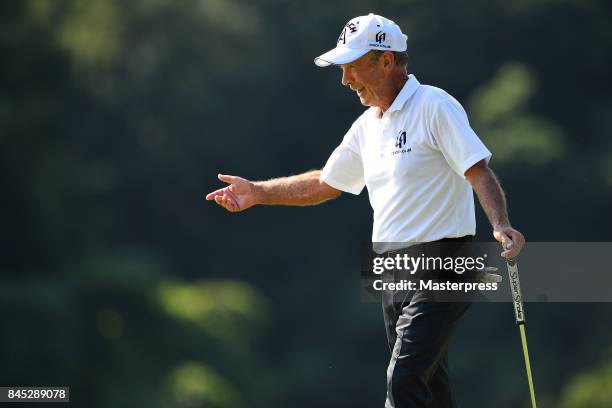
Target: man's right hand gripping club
{"points": [[238, 196]]}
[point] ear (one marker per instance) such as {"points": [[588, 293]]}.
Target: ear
{"points": [[388, 60]]}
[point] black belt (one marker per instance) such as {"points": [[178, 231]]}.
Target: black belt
{"points": [[465, 238]]}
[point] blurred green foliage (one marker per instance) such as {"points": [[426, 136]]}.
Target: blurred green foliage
{"points": [[590, 390], [118, 280], [514, 135]]}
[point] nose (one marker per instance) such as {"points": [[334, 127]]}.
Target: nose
{"points": [[346, 76]]}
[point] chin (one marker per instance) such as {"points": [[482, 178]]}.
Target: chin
{"points": [[365, 102]]}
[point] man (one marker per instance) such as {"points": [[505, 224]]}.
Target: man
{"points": [[419, 158]]}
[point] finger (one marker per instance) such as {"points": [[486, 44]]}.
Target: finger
{"points": [[221, 192], [229, 202], [233, 207], [231, 195], [490, 277], [227, 178], [223, 203], [505, 240], [519, 241], [517, 238], [211, 196], [509, 254], [512, 252]]}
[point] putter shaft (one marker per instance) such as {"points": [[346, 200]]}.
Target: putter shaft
{"points": [[519, 312], [527, 364]]}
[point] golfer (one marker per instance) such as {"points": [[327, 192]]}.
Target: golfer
{"points": [[415, 152]]}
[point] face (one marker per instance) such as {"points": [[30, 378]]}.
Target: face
{"points": [[366, 77]]}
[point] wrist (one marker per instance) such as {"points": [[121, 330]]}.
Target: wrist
{"points": [[258, 192], [501, 226]]}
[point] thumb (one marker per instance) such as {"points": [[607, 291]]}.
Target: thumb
{"points": [[226, 178]]}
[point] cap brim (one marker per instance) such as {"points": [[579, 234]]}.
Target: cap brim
{"points": [[339, 56]]}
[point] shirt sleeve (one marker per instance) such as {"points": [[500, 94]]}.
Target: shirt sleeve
{"points": [[452, 134], [344, 168]]}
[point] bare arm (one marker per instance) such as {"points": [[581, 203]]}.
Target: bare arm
{"points": [[302, 189], [493, 202]]}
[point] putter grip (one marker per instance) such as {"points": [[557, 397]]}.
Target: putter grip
{"points": [[515, 288]]}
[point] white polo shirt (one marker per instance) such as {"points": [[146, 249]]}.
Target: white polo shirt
{"points": [[412, 160]]}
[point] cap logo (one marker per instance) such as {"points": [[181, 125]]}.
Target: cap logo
{"points": [[342, 36], [380, 37], [352, 29]]}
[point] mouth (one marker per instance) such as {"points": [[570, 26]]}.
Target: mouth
{"points": [[360, 91]]}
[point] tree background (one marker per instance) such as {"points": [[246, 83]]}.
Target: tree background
{"points": [[121, 282]]}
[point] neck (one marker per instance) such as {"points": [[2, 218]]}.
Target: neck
{"points": [[395, 88]]}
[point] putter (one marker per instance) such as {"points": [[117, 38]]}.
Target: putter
{"points": [[519, 312]]}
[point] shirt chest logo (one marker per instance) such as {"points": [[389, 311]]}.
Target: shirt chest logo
{"points": [[400, 144]]}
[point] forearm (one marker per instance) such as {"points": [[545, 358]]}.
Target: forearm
{"points": [[493, 202], [491, 196], [301, 189]]}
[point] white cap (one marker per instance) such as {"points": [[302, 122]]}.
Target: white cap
{"points": [[362, 34]]}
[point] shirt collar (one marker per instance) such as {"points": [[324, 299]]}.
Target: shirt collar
{"points": [[407, 91]]}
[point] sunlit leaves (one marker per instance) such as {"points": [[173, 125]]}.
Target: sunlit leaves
{"points": [[592, 389], [500, 114], [92, 30], [229, 310], [193, 385]]}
